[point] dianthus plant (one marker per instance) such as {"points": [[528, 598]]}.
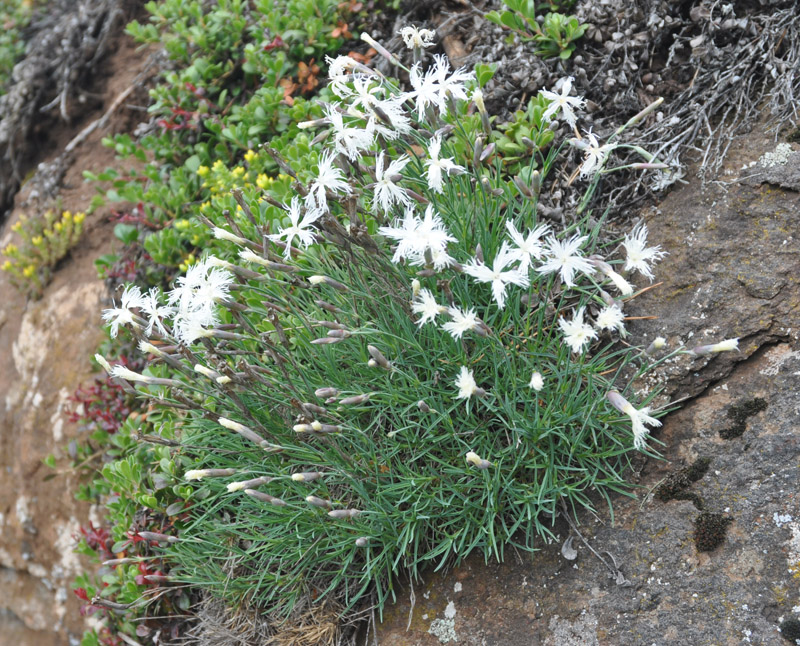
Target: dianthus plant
{"points": [[397, 365]]}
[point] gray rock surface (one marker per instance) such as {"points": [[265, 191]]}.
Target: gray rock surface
{"points": [[733, 271]]}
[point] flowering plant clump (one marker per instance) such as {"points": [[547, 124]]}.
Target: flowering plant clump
{"points": [[395, 362], [43, 242]]}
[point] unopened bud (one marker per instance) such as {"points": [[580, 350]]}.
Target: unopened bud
{"points": [[657, 344], [265, 497], [222, 234], [318, 280], [423, 406], [160, 538], [318, 502], [307, 476], [362, 541], [353, 401], [377, 355], [326, 340], [723, 346], [322, 393], [248, 484], [344, 513], [199, 474], [475, 460]]}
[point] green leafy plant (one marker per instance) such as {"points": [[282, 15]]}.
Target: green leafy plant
{"points": [[42, 242], [388, 361], [556, 35]]}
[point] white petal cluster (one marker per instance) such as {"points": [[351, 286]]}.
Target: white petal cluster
{"points": [[499, 275], [639, 255], [577, 333], [417, 237]]}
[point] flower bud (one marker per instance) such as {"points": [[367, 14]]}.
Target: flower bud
{"points": [[423, 406], [537, 381], [199, 474], [326, 340], [474, 459], [344, 513], [378, 357], [318, 502], [317, 280], [307, 476], [322, 393], [265, 497], [352, 401], [723, 346], [222, 234], [657, 344], [362, 541], [248, 484]]}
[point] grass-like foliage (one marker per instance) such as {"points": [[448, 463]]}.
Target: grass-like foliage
{"points": [[389, 361]]}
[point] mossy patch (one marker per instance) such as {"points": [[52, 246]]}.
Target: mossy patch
{"points": [[739, 414], [710, 529], [675, 484]]}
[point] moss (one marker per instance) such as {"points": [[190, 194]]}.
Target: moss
{"points": [[675, 484], [790, 630], [739, 414], [710, 529]]}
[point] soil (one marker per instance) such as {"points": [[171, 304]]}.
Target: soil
{"points": [[48, 344]]}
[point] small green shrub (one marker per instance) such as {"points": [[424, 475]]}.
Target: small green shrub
{"points": [[556, 35]]}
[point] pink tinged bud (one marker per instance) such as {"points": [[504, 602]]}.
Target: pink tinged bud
{"points": [[326, 340], [723, 346], [344, 513], [157, 578], [248, 484], [362, 541], [265, 497], [326, 392], [331, 325], [352, 401], [378, 358], [313, 408], [423, 406], [327, 306], [318, 502], [199, 474], [307, 476], [318, 280], [160, 538], [475, 460], [339, 334], [618, 402]]}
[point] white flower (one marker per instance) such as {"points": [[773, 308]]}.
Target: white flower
{"points": [[155, 311], [192, 326], [461, 321], [348, 140], [563, 102], [337, 71], [329, 178], [386, 192], [299, 227], [425, 304], [638, 417], [417, 237], [452, 84], [436, 257], [436, 166], [595, 154], [388, 118], [527, 248], [565, 258], [363, 91], [576, 332], [122, 315], [427, 90], [498, 276], [611, 318], [121, 372], [417, 38], [466, 385], [537, 381], [638, 254], [195, 474]]}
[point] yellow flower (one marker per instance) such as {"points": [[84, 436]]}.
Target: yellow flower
{"points": [[57, 226], [80, 217], [17, 227], [66, 215], [203, 171], [238, 171], [181, 225], [6, 266], [263, 182], [38, 240], [249, 156], [29, 271], [10, 249]]}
